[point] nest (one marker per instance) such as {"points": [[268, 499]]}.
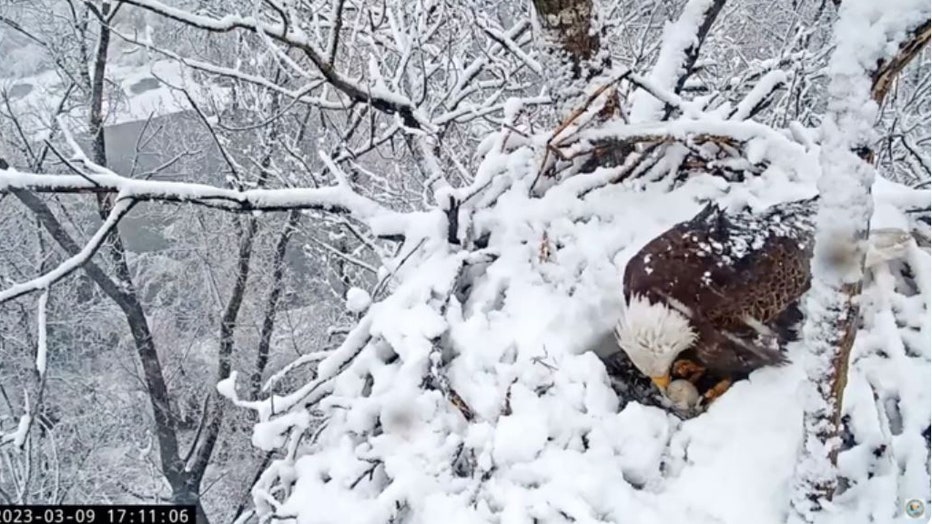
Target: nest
{"points": [[632, 386]]}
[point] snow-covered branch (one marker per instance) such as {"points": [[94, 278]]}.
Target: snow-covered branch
{"points": [[842, 229], [759, 95], [884, 76], [120, 209], [740, 131], [289, 32], [336, 199], [512, 181], [679, 51], [18, 436], [42, 332]]}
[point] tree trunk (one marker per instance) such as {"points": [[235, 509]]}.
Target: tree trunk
{"points": [[570, 42], [568, 24], [185, 487]]}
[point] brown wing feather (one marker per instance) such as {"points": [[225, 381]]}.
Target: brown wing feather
{"points": [[727, 267], [765, 288], [674, 265]]}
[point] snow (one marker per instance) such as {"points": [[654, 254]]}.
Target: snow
{"points": [[72, 263], [867, 33], [754, 230], [770, 144], [271, 434], [520, 437], [357, 300], [227, 387], [443, 405], [678, 36], [22, 431], [751, 454], [339, 198], [18, 436], [145, 92], [42, 336], [767, 84], [545, 435], [546, 438]]}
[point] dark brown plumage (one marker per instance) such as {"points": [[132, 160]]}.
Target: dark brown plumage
{"points": [[737, 277]]}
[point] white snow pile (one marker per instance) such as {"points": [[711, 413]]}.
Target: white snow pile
{"points": [[357, 300], [470, 393]]}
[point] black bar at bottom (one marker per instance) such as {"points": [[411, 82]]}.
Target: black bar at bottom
{"points": [[97, 514]]}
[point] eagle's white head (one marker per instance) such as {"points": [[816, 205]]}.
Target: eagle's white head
{"points": [[653, 335]]}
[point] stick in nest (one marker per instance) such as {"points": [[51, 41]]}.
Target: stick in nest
{"points": [[568, 121]]}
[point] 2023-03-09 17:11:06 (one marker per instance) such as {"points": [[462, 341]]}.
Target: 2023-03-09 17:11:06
{"points": [[97, 514]]}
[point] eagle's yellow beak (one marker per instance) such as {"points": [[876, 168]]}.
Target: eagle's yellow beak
{"points": [[661, 382]]}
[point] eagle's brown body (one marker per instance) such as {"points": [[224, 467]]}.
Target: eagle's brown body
{"points": [[735, 276]]}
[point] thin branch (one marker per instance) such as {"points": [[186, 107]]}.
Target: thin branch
{"points": [[121, 208], [388, 102], [333, 43], [268, 317], [882, 79], [349, 258]]}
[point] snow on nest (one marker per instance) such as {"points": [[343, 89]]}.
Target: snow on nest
{"points": [[546, 439]]}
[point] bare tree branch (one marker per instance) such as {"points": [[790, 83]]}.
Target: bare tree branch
{"points": [[75, 261], [387, 102]]}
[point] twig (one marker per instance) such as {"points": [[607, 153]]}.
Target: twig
{"points": [[121, 208]]}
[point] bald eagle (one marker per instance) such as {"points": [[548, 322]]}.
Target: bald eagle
{"points": [[713, 298]]}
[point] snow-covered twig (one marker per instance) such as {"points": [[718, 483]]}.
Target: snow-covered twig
{"points": [[346, 256], [308, 358], [743, 131], [42, 328], [300, 94], [292, 34], [759, 96], [504, 40], [122, 206], [662, 94], [678, 53], [464, 85], [18, 436]]}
